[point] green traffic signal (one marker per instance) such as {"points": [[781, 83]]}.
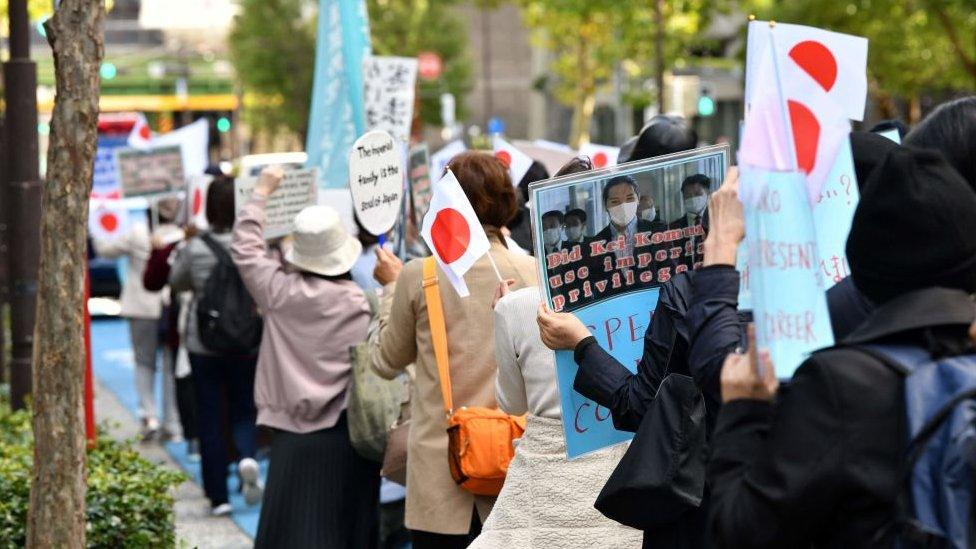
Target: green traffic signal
{"points": [[706, 106], [223, 124], [107, 71]]}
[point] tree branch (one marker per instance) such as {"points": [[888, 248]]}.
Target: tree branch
{"points": [[967, 62]]}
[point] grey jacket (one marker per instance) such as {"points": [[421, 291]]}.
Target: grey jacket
{"points": [[190, 271]]}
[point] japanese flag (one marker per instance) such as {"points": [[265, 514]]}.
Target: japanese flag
{"points": [[836, 63], [602, 156], [452, 231], [196, 200], [140, 135], [515, 160], [107, 219]]}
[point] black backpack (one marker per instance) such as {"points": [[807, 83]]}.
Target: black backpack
{"points": [[227, 317]]}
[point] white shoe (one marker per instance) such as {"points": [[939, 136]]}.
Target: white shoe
{"points": [[251, 485], [222, 510], [150, 429]]}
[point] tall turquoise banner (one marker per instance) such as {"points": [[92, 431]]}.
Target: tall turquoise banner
{"points": [[337, 117]]}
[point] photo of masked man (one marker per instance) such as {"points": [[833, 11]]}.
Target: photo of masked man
{"points": [[694, 193], [616, 256], [647, 211]]}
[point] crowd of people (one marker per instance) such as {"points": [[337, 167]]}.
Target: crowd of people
{"points": [[819, 460]]}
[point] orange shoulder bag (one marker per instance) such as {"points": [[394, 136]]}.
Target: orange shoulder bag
{"points": [[479, 439]]}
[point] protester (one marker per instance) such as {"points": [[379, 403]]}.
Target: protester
{"points": [[221, 381], [822, 464], [951, 130], [143, 309], [520, 226], [663, 134], [320, 491], [547, 500], [154, 278], [439, 513]]}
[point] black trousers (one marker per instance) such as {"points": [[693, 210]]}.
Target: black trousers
{"points": [[430, 540], [320, 493]]}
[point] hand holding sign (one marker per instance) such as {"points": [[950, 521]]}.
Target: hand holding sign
{"points": [[376, 181], [749, 375], [269, 180], [560, 331]]}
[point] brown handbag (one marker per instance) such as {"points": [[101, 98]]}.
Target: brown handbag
{"points": [[479, 439], [395, 458]]}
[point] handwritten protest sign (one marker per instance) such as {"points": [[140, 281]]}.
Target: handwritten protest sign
{"points": [[150, 172], [376, 180], [789, 302], [607, 240], [619, 328], [418, 178], [388, 91], [833, 214], [296, 191]]}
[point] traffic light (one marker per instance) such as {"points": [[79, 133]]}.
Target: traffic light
{"points": [[107, 71], [223, 124], [706, 105]]}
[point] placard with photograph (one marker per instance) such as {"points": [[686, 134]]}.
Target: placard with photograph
{"points": [[606, 241]]}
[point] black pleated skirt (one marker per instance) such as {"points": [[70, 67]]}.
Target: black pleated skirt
{"points": [[319, 494]]}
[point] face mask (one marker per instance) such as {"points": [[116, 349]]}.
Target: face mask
{"points": [[649, 214], [696, 204], [623, 214], [574, 233], [551, 236]]}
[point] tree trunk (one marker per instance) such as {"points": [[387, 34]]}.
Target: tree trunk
{"points": [[659, 31], [57, 500]]}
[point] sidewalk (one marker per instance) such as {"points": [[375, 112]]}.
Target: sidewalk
{"points": [[194, 525]]}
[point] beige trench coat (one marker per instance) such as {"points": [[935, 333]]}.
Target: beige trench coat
{"points": [[434, 502]]}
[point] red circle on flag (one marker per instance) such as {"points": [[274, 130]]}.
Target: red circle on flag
{"points": [[505, 157], [197, 201], [817, 60], [451, 235], [109, 221], [600, 159], [144, 132]]}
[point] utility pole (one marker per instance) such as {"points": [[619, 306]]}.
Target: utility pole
{"points": [[23, 196]]}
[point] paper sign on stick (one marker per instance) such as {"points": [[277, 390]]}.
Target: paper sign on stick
{"points": [[107, 219], [833, 214], [296, 191], [602, 156], [150, 172], [388, 93], [376, 180], [515, 160], [196, 200], [789, 302]]}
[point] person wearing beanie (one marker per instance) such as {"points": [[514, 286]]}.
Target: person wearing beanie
{"points": [[820, 463]]}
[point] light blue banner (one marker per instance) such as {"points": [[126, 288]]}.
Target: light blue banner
{"points": [[337, 117], [785, 279], [833, 214], [618, 324]]}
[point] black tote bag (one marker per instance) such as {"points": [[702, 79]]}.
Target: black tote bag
{"points": [[662, 474]]}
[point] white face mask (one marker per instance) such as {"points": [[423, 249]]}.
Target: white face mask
{"points": [[574, 233], [551, 236], [623, 214], [649, 214], [696, 204]]}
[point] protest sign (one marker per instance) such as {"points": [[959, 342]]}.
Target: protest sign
{"points": [[642, 227], [833, 214], [892, 134], [418, 178], [193, 140], [105, 175], [789, 302], [297, 191], [150, 172], [388, 93], [376, 180]]}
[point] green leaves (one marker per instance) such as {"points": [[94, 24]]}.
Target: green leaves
{"points": [[129, 501]]}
